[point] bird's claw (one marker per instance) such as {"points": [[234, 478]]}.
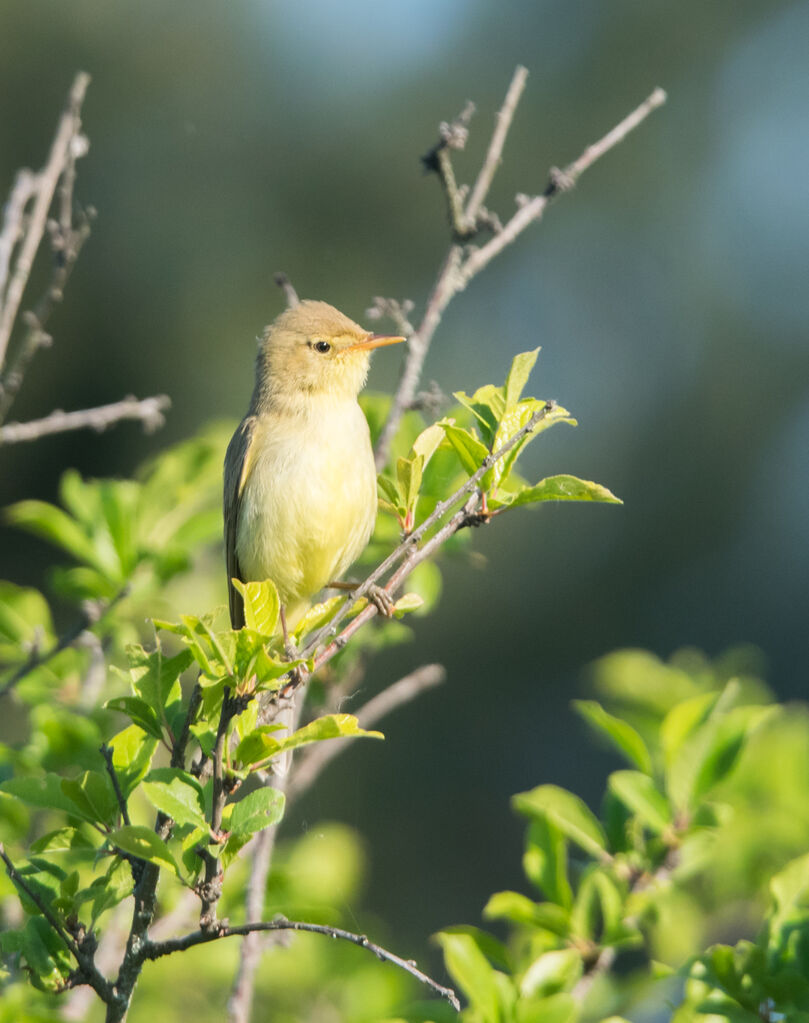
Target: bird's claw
{"points": [[382, 600]]}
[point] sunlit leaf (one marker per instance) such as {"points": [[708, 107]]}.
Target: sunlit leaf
{"points": [[261, 605], [619, 732], [569, 813], [177, 794], [143, 843], [639, 792]]}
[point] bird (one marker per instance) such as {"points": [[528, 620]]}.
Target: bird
{"points": [[300, 498]]}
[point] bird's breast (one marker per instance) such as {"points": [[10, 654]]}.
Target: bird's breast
{"points": [[309, 501]]}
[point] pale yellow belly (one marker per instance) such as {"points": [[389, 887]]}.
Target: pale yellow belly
{"points": [[309, 502]]}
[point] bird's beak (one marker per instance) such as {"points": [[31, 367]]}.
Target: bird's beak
{"points": [[374, 341]]}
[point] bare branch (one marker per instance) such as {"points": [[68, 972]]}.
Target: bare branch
{"points": [[92, 613], [23, 190], [58, 159], [288, 288], [558, 183], [494, 154], [156, 950], [320, 755], [461, 265], [148, 411]]}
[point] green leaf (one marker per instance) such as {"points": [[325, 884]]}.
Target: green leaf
{"points": [[261, 605], [44, 792], [569, 813], [558, 1008], [552, 972], [619, 732], [518, 375], [598, 911], [177, 794], [49, 961], [469, 449], [406, 603], [638, 792], [143, 843], [317, 616], [409, 473], [139, 711], [488, 405], [63, 840], [428, 442], [93, 793], [559, 488], [472, 972], [545, 861], [521, 910], [262, 744], [154, 675], [53, 524], [132, 752], [259, 809]]}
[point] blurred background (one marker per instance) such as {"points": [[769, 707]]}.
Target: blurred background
{"points": [[668, 293]]}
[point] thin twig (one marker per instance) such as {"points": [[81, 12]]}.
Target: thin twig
{"points": [[314, 760], [89, 972], [68, 129], [408, 547], [559, 182], [23, 190], [106, 753], [461, 265], [93, 612], [240, 1001], [495, 152], [210, 888], [288, 288], [156, 950], [148, 411]]}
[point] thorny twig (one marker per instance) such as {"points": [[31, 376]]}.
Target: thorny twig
{"points": [[463, 262]]}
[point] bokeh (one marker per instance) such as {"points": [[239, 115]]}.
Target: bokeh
{"points": [[668, 293]]}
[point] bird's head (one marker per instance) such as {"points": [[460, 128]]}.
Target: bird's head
{"points": [[312, 348]]}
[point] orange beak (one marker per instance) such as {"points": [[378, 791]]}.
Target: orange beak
{"points": [[374, 341]]}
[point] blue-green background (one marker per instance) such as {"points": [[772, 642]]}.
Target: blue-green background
{"points": [[669, 294]]}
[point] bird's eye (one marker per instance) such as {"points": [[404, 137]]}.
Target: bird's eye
{"points": [[322, 347]]}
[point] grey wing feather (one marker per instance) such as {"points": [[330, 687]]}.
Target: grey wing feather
{"points": [[235, 476]]}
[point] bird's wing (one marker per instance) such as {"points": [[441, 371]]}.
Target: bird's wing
{"points": [[237, 467]]}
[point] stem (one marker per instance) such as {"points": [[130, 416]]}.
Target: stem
{"points": [[156, 950]]}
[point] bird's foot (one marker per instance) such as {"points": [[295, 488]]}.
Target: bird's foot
{"points": [[290, 649], [381, 600]]}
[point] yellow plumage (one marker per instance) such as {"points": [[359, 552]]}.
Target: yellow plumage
{"points": [[300, 484]]}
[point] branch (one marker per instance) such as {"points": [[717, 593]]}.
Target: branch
{"points": [[156, 950], [89, 971], [62, 152], [210, 888], [502, 124], [93, 612], [106, 753], [408, 547], [321, 754], [288, 288], [148, 411], [559, 182], [461, 264]]}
